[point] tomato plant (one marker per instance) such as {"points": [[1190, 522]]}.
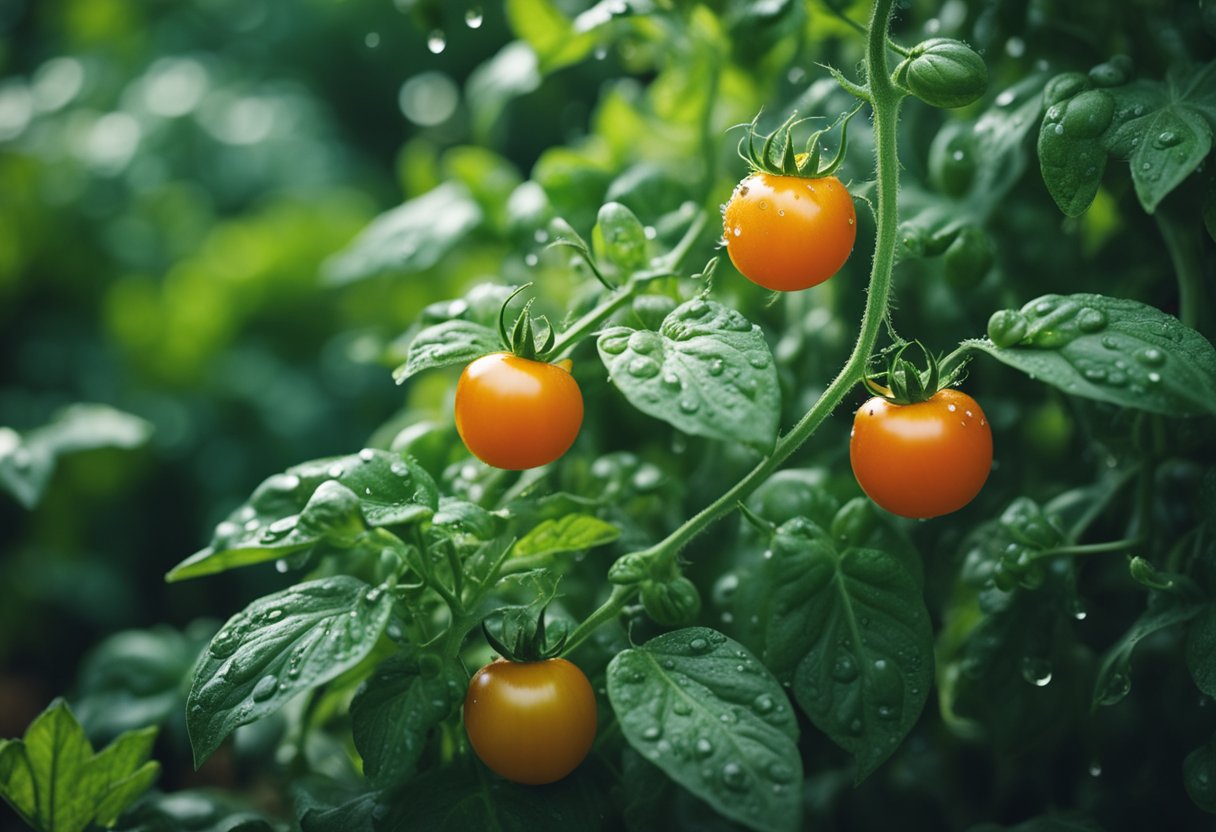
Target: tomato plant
{"points": [[531, 722], [615, 421]]}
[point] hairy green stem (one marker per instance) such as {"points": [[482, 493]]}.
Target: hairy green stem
{"points": [[886, 100], [607, 611], [586, 324], [1182, 243], [1091, 548]]}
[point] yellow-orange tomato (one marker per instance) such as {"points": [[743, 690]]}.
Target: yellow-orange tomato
{"points": [[924, 459], [530, 722], [788, 232], [514, 413]]}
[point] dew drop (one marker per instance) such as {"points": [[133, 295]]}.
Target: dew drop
{"points": [[367, 454], [1091, 320], [474, 17], [951, 408], [1036, 671], [737, 231], [265, 688], [734, 777], [1154, 377], [764, 704], [844, 670], [643, 368], [652, 733], [716, 367], [689, 406], [698, 645], [1167, 138], [436, 41], [335, 471], [703, 747], [672, 381], [1151, 357]]}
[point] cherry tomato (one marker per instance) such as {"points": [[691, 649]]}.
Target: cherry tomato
{"points": [[788, 232], [515, 413], [530, 722], [924, 459]]}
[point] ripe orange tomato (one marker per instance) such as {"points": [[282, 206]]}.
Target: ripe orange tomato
{"points": [[530, 722], [515, 413], [924, 459], [787, 233]]}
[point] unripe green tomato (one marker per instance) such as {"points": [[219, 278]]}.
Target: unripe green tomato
{"points": [[943, 72], [854, 523], [619, 236], [969, 258], [952, 158], [629, 569], [671, 603], [794, 492]]}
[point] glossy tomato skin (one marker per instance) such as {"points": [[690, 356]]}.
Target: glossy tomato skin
{"points": [[530, 722], [925, 459], [514, 413], [787, 233]]}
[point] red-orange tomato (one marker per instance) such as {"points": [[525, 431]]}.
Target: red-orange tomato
{"points": [[530, 722], [924, 459], [515, 413], [787, 233]]}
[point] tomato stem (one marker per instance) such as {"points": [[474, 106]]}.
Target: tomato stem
{"points": [[1092, 548], [606, 612], [885, 101]]}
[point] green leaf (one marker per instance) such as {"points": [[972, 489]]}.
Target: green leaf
{"points": [[1164, 130], [1165, 609], [326, 499], [458, 800], [570, 533], [411, 237], [27, 462], [853, 629], [1072, 154], [1199, 776], [1110, 349], [137, 678], [707, 371], [279, 646], [395, 710], [1201, 650], [704, 710], [550, 33], [52, 778], [451, 342], [513, 72], [469, 518], [1175, 141], [195, 810]]}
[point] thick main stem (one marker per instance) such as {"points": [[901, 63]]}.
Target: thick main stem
{"points": [[886, 100]]}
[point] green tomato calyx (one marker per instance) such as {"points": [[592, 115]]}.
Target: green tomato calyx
{"points": [[520, 339], [904, 382], [522, 636], [776, 155]]}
